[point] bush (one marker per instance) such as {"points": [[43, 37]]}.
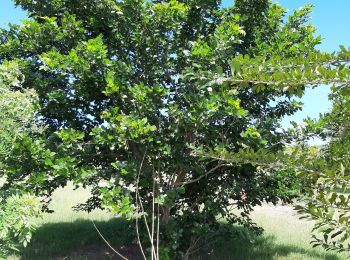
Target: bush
{"points": [[16, 222]]}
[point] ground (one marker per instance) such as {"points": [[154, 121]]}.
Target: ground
{"points": [[66, 234]]}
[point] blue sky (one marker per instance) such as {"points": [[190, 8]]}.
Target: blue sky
{"points": [[331, 18], [10, 14]]}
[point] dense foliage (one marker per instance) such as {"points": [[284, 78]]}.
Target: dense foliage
{"points": [[17, 209], [17, 222], [323, 170], [157, 104], [330, 200]]}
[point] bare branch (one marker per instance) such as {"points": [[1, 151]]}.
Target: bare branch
{"points": [[137, 206], [220, 164], [105, 240], [139, 202]]}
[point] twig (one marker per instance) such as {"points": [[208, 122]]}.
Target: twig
{"points": [[204, 175], [137, 206], [139, 201], [158, 229], [153, 195], [146, 224], [105, 240]]}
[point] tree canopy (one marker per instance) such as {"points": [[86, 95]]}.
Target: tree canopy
{"points": [[141, 100]]}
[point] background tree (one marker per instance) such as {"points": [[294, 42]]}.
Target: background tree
{"points": [[124, 97]]}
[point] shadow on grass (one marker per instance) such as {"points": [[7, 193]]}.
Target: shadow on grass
{"points": [[78, 240], [261, 248]]}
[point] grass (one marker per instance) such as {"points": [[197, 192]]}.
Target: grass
{"points": [[67, 234], [285, 238]]}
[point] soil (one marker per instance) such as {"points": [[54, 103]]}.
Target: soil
{"points": [[103, 253]]}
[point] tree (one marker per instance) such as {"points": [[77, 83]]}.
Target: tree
{"points": [[17, 209], [329, 202], [129, 90], [324, 171]]}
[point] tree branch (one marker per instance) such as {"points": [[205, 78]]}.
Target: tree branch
{"points": [[220, 164]]}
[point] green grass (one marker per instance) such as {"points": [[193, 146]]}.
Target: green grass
{"points": [[67, 234], [285, 237]]}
